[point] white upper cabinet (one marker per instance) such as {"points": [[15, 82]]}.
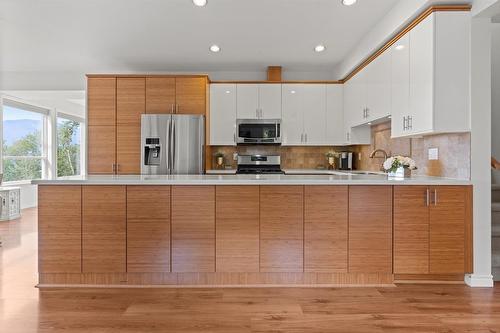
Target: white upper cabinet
{"points": [[354, 112], [270, 101], [223, 114], [335, 114], [247, 101], [292, 125], [400, 85], [259, 101], [439, 97], [314, 107], [312, 114], [378, 87]]}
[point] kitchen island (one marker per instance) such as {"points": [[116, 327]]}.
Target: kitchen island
{"points": [[247, 230]]}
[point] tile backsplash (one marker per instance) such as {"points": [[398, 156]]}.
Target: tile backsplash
{"points": [[454, 152], [453, 161]]}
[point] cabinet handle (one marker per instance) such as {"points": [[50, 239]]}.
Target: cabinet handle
{"points": [[410, 122], [234, 137], [348, 136], [367, 112], [435, 197], [301, 137], [114, 168], [427, 198], [176, 108], [404, 123], [172, 109]]}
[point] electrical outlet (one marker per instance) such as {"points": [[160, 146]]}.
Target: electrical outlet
{"points": [[235, 156], [359, 156], [433, 154]]}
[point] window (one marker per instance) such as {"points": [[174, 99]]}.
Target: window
{"points": [[24, 131], [68, 146]]}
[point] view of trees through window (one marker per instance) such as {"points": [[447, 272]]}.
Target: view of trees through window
{"points": [[22, 144], [68, 147]]}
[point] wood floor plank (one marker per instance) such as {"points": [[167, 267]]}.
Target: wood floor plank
{"points": [[404, 308]]}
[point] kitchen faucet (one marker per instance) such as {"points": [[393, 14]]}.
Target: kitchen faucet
{"points": [[373, 154]]}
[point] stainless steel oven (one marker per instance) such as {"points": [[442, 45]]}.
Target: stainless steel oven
{"points": [[258, 131]]}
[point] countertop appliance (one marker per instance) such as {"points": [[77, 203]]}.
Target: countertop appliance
{"points": [[172, 144], [258, 131], [259, 164], [346, 160]]}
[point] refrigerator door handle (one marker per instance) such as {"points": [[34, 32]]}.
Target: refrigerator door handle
{"points": [[173, 142], [169, 151]]}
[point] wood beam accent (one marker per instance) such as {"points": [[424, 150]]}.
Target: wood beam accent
{"points": [[410, 26]]}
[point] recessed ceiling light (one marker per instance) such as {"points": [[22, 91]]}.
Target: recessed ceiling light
{"points": [[200, 3], [348, 2], [400, 47], [228, 91], [292, 92], [320, 48], [215, 48]]}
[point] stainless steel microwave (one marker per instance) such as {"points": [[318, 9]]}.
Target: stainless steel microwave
{"points": [[258, 131]]}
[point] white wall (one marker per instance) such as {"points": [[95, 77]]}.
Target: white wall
{"points": [[481, 151], [29, 197], [495, 89]]}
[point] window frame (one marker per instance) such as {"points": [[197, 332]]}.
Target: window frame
{"points": [[44, 158], [81, 121]]}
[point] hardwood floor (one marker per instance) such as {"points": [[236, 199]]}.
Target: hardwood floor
{"points": [[404, 308]]}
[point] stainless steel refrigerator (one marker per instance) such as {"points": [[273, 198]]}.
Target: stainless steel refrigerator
{"points": [[172, 144]]}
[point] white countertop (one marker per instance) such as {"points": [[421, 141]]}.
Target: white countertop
{"points": [[333, 179]]}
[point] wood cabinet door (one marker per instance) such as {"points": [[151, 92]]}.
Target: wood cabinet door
{"points": [[59, 229], [101, 150], [411, 230], [160, 95], [223, 114], [128, 149], [325, 228], [101, 101], [104, 229], [193, 228], [148, 229], [370, 229], [448, 214], [130, 100], [237, 228], [191, 95], [281, 228]]}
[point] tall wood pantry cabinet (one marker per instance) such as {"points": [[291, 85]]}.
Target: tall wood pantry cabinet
{"points": [[114, 108]]}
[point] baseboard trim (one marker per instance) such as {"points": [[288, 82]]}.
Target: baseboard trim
{"points": [[479, 281], [201, 286]]}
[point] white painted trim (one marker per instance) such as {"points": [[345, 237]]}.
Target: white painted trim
{"points": [[479, 281]]}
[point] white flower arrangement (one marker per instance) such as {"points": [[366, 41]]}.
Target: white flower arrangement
{"points": [[393, 163]]}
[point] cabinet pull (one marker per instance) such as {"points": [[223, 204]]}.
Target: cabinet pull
{"points": [[114, 168], [367, 112], [410, 122], [404, 123], [301, 137], [427, 197], [176, 108], [348, 136], [172, 109], [305, 137], [234, 137], [435, 197]]}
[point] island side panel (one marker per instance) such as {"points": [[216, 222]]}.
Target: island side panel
{"points": [[148, 229], [59, 229], [281, 228], [193, 229], [370, 229], [104, 229], [325, 229], [237, 228]]}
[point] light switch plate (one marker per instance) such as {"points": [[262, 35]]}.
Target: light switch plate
{"points": [[433, 154]]}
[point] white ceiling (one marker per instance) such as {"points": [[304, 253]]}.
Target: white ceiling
{"points": [[174, 35], [71, 102]]}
